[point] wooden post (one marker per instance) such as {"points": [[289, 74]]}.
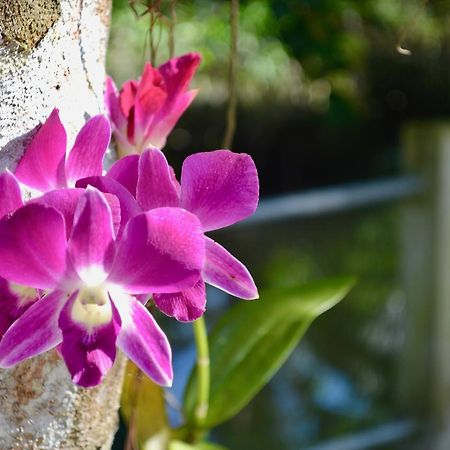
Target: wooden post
{"points": [[425, 236]]}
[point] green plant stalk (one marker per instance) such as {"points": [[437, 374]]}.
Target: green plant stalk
{"points": [[203, 371]]}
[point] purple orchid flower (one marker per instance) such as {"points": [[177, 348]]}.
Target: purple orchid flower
{"points": [[14, 301], [14, 298], [145, 111], [220, 188], [44, 165], [10, 195], [90, 278]]}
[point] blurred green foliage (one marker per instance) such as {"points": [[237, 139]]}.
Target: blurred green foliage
{"points": [[248, 345], [203, 26], [178, 445], [351, 354], [142, 407], [306, 51], [323, 91]]}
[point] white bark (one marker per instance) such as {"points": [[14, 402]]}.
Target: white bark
{"points": [[65, 69], [42, 409], [52, 55]]}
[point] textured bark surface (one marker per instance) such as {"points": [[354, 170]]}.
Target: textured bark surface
{"points": [[27, 23], [52, 55], [42, 409], [62, 65]]}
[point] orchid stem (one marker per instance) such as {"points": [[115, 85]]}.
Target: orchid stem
{"points": [[203, 374]]}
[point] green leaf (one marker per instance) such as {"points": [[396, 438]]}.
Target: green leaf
{"points": [[143, 410], [253, 340], [178, 445]]}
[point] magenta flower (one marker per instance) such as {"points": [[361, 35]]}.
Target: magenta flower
{"points": [[10, 195], [90, 278], [44, 165], [144, 112], [14, 299], [220, 188]]}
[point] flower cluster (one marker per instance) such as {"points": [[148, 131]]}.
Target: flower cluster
{"points": [[80, 260], [144, 112]]}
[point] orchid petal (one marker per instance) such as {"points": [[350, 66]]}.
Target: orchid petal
{"points": [[8, 306], [151, 92], [185, 306], [64, 201], [14, 301], [86, 157], [127, 96], [34, 332], [131, 127], [42, 166], [145, 111], [125, 171], [178, 72], [115, 208], [128, 205], [143, 341], [33, 247], [10, 195], [219, 187], [150, 97], [91, 244], [224, 271], [155, 187], [89, 352], [112, 104], [167, 118], [160, 251]]}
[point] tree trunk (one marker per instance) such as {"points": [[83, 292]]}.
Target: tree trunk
{"points": [[52, 55]]}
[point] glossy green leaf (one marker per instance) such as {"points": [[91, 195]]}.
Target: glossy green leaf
{"points": [[253, 340], [143, 409]]}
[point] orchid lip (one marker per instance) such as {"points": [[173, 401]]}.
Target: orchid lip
{"points": [[92, 307]]}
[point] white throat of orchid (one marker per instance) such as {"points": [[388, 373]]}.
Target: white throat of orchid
{"points": [[92, 307], [25, 294]]}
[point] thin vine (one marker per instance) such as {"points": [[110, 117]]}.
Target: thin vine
{"points": [[232, 74], [171, 26], [156, 20]]}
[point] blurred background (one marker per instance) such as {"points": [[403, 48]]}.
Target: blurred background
{"points": [[343, 105]]}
